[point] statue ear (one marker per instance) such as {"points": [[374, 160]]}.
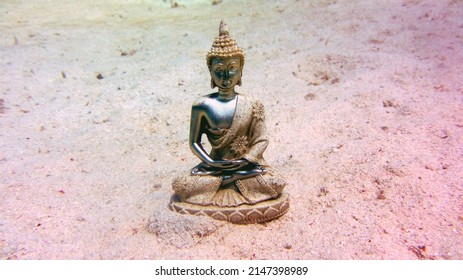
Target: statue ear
{"points": [[239, 82], [213, 85]]}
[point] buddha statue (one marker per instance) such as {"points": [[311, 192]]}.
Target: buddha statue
{"points": [[233, 182]]}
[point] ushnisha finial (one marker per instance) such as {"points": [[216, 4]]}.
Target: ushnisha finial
{"points": [[224, 46], [223, 29]]}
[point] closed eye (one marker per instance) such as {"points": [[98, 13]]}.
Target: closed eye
{"points": [[218, 68]]}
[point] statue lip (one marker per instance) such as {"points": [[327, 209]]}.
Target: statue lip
{"points": [[226, 83]]}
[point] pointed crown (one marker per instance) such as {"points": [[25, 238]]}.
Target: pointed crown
{"points": [[224, 46]]}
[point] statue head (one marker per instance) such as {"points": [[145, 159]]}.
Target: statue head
{"points": [[226, 52]]}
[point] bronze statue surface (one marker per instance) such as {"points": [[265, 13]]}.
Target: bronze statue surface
{"points": [[233, 182]]}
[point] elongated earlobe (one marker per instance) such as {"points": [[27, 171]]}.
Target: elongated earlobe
{"points": [[213, 85]]}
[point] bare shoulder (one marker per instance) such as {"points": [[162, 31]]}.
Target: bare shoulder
{"points": [[204, 102]]}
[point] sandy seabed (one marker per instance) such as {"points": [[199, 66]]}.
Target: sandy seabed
{"points": [[364, 103]]}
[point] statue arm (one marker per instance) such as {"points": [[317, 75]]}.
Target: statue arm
{"points": [[258, 138], [258, 147], [256, 151], [195, 136]]}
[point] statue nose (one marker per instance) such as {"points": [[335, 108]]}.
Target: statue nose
{"points": [[226, 73]]}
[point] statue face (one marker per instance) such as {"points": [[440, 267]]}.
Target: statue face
{"points": [[226, 72]]}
